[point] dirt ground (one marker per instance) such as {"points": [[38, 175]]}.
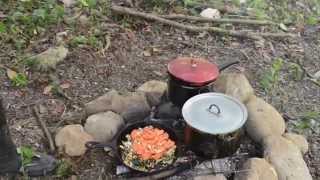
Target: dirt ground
{"points": [[125, 66]]}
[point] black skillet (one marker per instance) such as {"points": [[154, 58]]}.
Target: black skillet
{"points": [[115, 143]]}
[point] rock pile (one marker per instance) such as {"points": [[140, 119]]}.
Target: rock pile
{"points": [[283, 152], [107, 114]]}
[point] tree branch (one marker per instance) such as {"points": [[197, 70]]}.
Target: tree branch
{"points": [[221, 20], [44, 129], [241, 34]]}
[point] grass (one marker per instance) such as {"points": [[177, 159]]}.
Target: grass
{"points": [[20, 80], [296, 71], [17, 79], [27, 19], [306, 120], [83, 40], [88, 3], [64, 169], [26, 154], [271, 77]]}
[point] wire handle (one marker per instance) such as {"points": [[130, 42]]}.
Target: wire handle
{"points": [[214, 109]]}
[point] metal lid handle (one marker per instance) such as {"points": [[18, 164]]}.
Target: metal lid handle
{"points": [[214, 109]]}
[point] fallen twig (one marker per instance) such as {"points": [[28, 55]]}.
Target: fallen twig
{"points": [[241, 34], [315, 82], [55, 81], [221, 20], [71, 118], [44, 129]]}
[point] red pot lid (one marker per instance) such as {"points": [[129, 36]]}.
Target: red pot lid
{"points": [[196, 71]]}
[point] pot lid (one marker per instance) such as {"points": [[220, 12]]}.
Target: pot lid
{"points": [[195, 71], [214, 113]]}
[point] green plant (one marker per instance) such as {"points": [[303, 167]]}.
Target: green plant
{"points": [[88, 3], [306, 118], [2, 27], [312, 20], [30, 62], [78, 40], [311, 115], [259, 8], [271, 77], [296, 71], [20, 80], [189, 2], [64, 169], [26, 19], [26, 154], [83, 40], [236, 2]]}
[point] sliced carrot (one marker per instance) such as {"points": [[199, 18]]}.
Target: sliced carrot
{"points": [[148, 136], [135, 133], [150, 143]]}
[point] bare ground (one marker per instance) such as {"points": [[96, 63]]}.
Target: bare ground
{"points": [[124, 67]]}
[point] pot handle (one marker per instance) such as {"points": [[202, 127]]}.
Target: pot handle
{"points": [[217, 110], [97, 145], [226, 65]]}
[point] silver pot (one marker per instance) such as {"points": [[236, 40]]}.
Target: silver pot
{"points": [[215, 122]]}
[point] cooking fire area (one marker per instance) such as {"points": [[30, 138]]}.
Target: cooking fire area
{"points": [[200, 155], [200, 124]]}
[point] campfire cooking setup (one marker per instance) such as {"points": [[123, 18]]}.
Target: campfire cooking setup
{"points": [[209, 125]]}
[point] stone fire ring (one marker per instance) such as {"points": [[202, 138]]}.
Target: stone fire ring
{"points": [[282, 152]]}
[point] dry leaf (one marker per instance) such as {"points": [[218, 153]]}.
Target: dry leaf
{"points": [[11, 74], [65, 85], [317, 75], [283, 27], [147, 53], [47, 90], [156, 50]]}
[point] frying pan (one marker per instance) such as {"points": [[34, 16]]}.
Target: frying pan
{"points": [[115, 143]]}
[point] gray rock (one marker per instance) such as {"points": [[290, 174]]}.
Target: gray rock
{"points": [[103, 126], [263, 120], [258, 169], [154, 91], [111, 101], [211, 13], [235, 85], [49, 59], [71, 139], [298, 140], [136, 107], [132, 106], [211, 177], [286, 158]]}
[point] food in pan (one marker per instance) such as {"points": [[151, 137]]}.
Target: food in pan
{"points": [[148, 148]]}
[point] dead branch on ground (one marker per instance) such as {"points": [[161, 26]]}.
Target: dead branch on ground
{"points": [[240, 34], [221, 20], [44, 129]]}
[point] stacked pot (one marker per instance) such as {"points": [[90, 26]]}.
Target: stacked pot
{"points": [[214, 121]]}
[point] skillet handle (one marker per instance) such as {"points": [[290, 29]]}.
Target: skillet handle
{"points": [[226, 65], [97, 145]]}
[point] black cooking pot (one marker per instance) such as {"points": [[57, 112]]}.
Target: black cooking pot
{"points": [[115, 143], [214, 121], [191, 76]]}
